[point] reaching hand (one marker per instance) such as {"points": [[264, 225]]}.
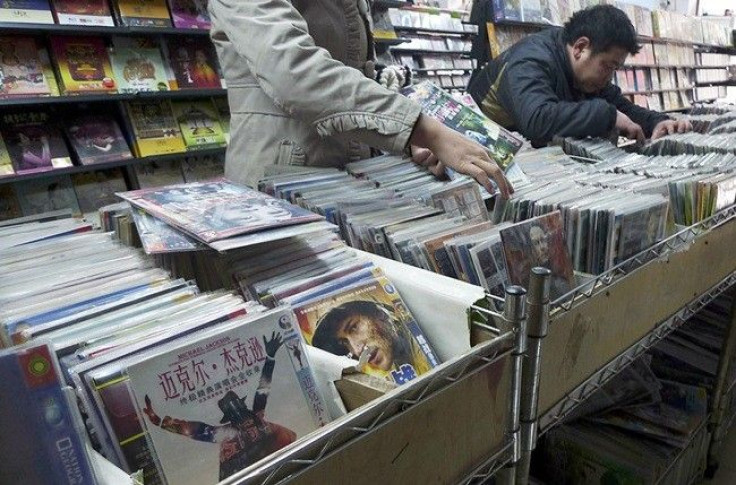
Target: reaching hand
{"points": [[425, 158], [628, 128], [460, 153], [151, 413], [272, 346], [668, 127]]}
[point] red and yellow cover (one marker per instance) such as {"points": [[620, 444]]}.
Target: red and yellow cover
{"points": [[83, 65]]}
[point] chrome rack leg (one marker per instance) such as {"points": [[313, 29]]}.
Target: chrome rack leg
{"points": [[537, 324], [719, 428], [514, 314]]}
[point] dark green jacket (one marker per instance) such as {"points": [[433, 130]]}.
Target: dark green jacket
{"points": [[529, 88]]}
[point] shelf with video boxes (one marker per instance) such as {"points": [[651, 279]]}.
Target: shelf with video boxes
{"points": [[425, 40], [59, 16], [47, 139], [93, 64]]}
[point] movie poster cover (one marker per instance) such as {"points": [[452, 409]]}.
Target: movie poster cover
{"points": [[190, 14], [501, 144], [143, 13], [26, 11], [138, 65], [97, 139], [539, 242], [220, 403], [194, 62], [83, 64], [6, 164], [83, 12], [154, 127], [46, 195], [215, 210], [34, 143], [41, 441], [199, 124], [21, 68], [158, 237], [97, 189], [368, 319], [490, 265]]}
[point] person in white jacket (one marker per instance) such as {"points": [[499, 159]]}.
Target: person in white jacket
{"points": [[300, 85]]}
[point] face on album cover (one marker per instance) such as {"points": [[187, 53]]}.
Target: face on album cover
{"points": [[539, 242]]}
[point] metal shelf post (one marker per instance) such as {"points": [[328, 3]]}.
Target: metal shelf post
{"points": [[538, 324]]}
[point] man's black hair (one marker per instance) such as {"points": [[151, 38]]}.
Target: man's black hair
{"points": [[605, 25]]}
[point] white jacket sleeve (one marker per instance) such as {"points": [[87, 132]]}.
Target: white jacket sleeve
{"points": [[272, 39]]}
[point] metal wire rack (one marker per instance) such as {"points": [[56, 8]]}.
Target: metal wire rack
{"points": [[563, 408]]}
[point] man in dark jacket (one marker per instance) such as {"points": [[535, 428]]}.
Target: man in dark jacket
{"points": [[558, 82]]}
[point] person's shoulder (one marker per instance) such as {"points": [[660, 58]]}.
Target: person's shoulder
{"points": [[541, 46]]}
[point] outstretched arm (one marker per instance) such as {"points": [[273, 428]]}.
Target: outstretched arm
{"points": [[192, 429]]}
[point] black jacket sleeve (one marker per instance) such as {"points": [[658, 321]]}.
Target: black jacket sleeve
{"points": [[527, 93], [645, 118]]}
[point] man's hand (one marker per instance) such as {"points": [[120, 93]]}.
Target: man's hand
{"points": [[459, 153], [668, 127], [628, 128], [427, 159]]}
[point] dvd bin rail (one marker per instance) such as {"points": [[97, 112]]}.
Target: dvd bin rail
{"points": [[607, 322]]}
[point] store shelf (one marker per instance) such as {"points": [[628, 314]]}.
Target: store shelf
{"points": [[113, 164], [657, 66], [716, 83], [7, 27], [676, 110], [390, 42], [425, 8], [442, 72], [430, 51], [656, 91], [99, 98], [519, 23], [384, 4], [437, 32]]}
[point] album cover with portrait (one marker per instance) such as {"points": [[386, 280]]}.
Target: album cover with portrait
{"points": [[539, 241], [217, 209], [368, 321]]}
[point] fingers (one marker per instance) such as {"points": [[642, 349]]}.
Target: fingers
{"points": [[420, 155], [484, 171], [658, 132], [437, 169], [635, 132]]}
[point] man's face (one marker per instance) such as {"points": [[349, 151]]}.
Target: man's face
{"points": [[359, 331], [540, 247], [593, 72]]}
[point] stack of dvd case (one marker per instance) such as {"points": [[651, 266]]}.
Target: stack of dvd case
{"points": [[135, 342]]}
